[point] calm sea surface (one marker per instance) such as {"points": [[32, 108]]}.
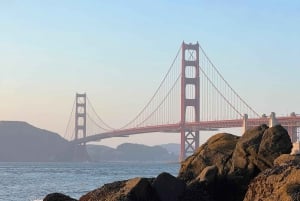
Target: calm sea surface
{"points": [[32, 181]]}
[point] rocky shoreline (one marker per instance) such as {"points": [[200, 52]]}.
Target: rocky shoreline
{"points": [[254, 167]]}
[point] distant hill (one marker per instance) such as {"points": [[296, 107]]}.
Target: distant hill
{"points": [[172, 148], [130, 152], [20, 142]]}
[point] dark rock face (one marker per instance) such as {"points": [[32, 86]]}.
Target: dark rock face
{"points": [[279, 183], [58, 197], [216, 151], [246, 151], [108, 190], [142, 191], [169, 187], [137, 189], [275, 142], [197, 191], [244, 157], [256, 151]]}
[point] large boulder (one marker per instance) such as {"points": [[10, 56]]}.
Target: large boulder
{"points": [[243, 168], [227, 163], [210, 165], [279, 183], [258, 148], [216, 151], [169, 187], [246, 151], [255, 152], [137, 189], [275, 141], [58, 197]]}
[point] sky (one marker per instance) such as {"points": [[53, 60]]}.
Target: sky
{"points": [[118, 52]]}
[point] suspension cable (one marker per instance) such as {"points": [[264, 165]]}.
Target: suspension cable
{"points": [[218, 72], [70, 118], [159, 87], [214, 86], [90, 118], [103, 122], [163, 100]]}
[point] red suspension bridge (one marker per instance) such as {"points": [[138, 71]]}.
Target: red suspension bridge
{"points": [[192, 97]]}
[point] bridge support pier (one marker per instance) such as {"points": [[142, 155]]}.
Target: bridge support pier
{"points": [[190, 98], [245, 123], [80, 153], [189, 143], [80, 116], [293, 132], [273, 120]]}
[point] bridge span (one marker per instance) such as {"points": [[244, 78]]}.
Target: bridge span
{"points": [[291, 123], [192, 97]]}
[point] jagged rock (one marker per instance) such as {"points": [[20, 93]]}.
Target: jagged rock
{"points": [[255, 151], [107, 191], [238, 160], [169, 187], [137, 189], [285, 158], [279, 183], [246, 151], [216, 151], [209, 174], [244, 162], [275, 141], [58, 197]]}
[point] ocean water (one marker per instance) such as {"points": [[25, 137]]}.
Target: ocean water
{"points": [[32, 181]]}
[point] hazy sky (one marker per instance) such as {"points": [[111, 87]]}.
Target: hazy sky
{"points": [[118, 51]]}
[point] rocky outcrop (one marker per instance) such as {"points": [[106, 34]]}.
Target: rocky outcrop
{"points": [[282, 183], [137, 189], [258, 148], [237, 160], [216, 151], [164, 188], [246, 151], [58, 197], [256, 151], [275, 141]]}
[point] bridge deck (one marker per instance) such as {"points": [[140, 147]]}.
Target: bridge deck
{"points": [[194, 126]]}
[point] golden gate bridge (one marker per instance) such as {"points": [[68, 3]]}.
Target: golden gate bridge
{"points": [[192, 97]]}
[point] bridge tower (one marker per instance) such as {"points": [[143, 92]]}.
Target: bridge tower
{"points": [[190, 98], [80, 116]]}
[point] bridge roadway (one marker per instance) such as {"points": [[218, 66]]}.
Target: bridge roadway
{"points": [[288, 122]]}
